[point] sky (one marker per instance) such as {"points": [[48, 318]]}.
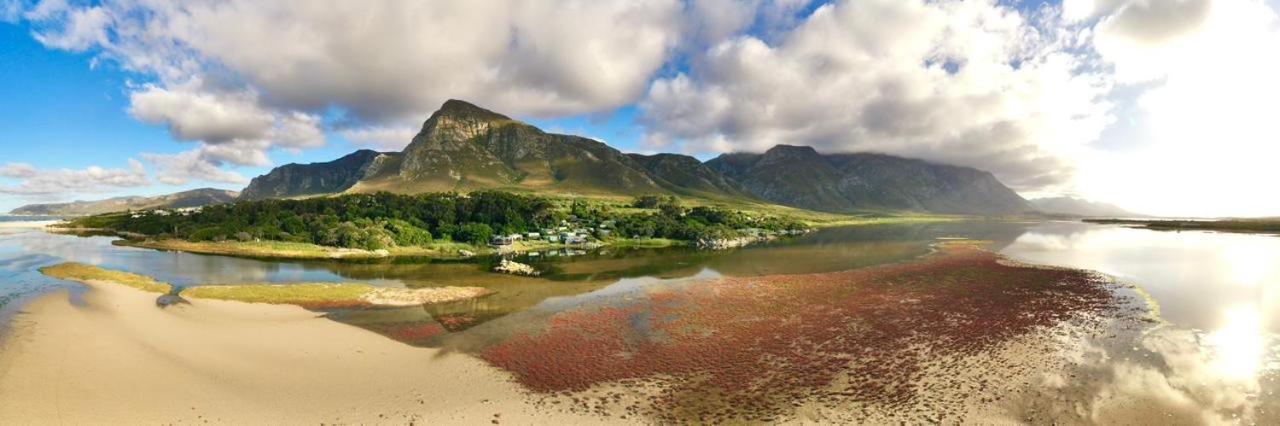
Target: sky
{"points": [[1159, 106]]}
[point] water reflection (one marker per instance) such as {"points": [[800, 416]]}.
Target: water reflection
{"points": [[1213, 360]]}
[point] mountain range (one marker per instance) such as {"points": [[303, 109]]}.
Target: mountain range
{"points": [[192, 198], [1071, 206], [463, 147]]}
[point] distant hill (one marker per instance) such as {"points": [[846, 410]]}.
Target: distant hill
{"points": [[193, 198], [1071, 206], [800, 176], [463, 147]]}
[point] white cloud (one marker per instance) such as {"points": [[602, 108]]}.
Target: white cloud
{"points": [[198, 164], [245, 77], [37, 182], [232, 127], [1207, 87], [970, 83], [393, 59], [383, 138], [18, 170]]}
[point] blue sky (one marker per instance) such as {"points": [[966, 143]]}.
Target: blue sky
{"points": [[1080, 97]]}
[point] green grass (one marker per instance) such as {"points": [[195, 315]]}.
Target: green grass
{"points": [[646, 242], [318, 294], [103, 221], [87, 273], [288, 250]]}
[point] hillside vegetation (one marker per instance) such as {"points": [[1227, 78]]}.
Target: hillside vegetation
{"points": [[388, 221]]}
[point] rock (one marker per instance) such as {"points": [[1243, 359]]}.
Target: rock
{"points": [[466, 253], [515, 268], [727, 243]]}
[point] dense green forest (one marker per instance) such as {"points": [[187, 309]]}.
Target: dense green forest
{"points": [[383, 220]]}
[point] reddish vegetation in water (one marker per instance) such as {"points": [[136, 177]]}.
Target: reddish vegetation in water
{"points": [[753, 347], [413, 332], [457, 322]]}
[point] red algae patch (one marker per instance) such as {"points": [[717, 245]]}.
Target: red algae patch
{"points": [[757, 348]]}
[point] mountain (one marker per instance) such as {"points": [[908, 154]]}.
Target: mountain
{"points": [[686, 175], [1071, 206], [463, 147], [193, 198], [801, 177], [301, 180]]}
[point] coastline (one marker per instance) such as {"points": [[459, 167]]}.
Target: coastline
{"points": [[1242, 226], [119, 359], [444, 250]]}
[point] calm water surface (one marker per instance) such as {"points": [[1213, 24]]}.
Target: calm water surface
{"points": [[1218, 292]]}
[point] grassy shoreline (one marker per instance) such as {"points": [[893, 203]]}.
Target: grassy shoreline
{"points": [[1271, 225], [307, 295]]}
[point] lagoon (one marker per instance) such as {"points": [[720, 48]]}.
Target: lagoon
{"points": [[1210, 355]]}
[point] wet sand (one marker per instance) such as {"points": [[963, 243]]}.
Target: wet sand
{"points": [[117, 359]]}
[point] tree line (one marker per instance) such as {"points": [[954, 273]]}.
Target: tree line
{"points": [[384, 220]]}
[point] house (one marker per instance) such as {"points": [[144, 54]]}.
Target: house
{"points": [[553, 238], [501, 240], [532, 236], [515, 237]]}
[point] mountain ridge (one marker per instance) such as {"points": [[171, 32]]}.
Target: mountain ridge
{"points": [[1073, 206], [463, 147], [193, 198]]}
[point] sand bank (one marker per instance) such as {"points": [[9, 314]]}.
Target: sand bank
{"points": [[118, 359]]}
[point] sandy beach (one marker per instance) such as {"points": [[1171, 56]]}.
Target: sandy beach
{"points": [[118, 359]]}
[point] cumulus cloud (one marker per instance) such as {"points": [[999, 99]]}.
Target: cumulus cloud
{"points": [[204, 164], [393, 59], [245, 77], [383, 138], [38, 182], [970, 83]]}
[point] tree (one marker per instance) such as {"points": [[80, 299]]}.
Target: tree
{"points": [[474, 233]]}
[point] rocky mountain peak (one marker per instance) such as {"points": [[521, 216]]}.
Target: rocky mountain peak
{"points": [[457, 110]]}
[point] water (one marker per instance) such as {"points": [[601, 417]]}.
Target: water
{"points": [[1217, 293]]}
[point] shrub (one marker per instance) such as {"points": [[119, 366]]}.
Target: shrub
{"points": [[475, 233]]}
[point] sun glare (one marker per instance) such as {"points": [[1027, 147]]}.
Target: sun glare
{"points": [[1240, 345]]}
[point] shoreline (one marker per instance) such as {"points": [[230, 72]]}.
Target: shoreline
{"points": [[1238, 226], [118, 358], [236, 362], [449, 251]]}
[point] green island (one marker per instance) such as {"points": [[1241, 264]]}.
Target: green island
{"points": [[1265, 225], [454, 225], [307, 295]]}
